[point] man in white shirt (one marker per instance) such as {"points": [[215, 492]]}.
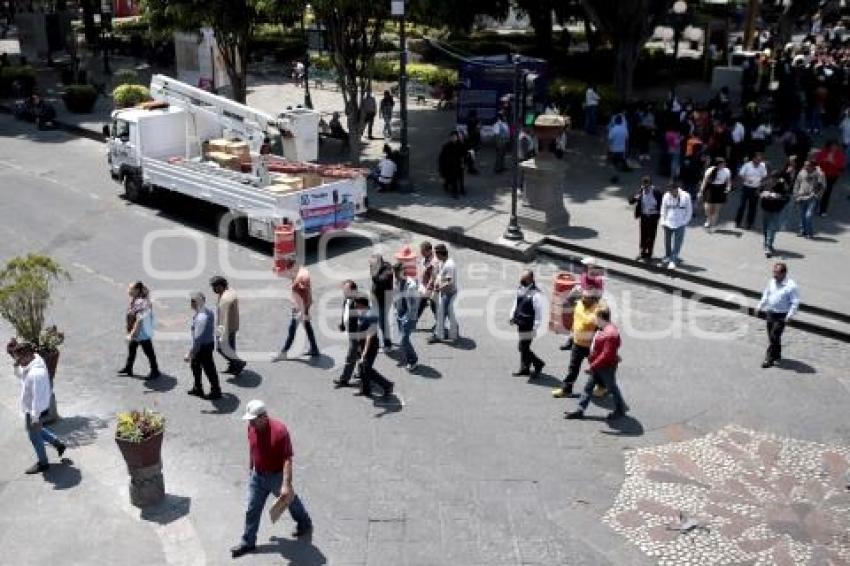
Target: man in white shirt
{"points": [[779, 303], [676, 212], [591, 105], [526, 315], [445, 285], [35, 401], [386, 173], [752, 175]]}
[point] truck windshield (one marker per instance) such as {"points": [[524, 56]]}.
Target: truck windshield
{"points": [[121, 129], [277, 143]]}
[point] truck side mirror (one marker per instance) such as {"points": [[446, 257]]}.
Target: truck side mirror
{"points": [[106, 130]]}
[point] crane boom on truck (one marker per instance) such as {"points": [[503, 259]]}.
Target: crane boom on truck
{"points": [[210, 148]]}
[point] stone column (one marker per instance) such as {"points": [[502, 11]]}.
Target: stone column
{"points": [[543, 178], [147, 485]]}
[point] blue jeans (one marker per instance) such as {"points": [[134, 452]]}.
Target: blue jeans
{"points": [[673, 239], [446, 313], [807, 213], [260, 487], [38, 438], [405, 327], [771, 222], [290, 335], [608, 378], [675, 165], [590, 119]]}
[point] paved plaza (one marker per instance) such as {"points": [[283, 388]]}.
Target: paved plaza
{"points": [[466, 465]]}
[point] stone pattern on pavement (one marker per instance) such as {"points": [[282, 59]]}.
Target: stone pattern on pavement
{"points": [[737, 496]]}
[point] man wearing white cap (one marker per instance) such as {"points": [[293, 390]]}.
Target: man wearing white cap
{"points": [[271, 468]]}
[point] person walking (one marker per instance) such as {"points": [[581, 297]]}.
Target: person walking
{"points": [[808, 188], [526, 315], [832, 162], [427, 264], [140, 325], [227, 324], [716, 184], [676, 212], [779, 303], [369, 109], [406, 301], [381, 272], [773, 201], [348, 324], [445, 285], [584, 326], [591, 107], [604, 359], [502, 133], [200, 355], [450, 163], [386, 110], [618, 140], [31, 370], [647, 203], [367, 329], [271, 473], [592, 280], [753, 174], [302, 302], [673, 143]]}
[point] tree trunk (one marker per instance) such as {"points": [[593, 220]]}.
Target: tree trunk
{"points": [[626, 51], [237, 83], [541, 21], [88, 22], [590, 35], [355, 127]]}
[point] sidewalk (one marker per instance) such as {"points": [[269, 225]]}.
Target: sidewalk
{"points": [[601, 219]]}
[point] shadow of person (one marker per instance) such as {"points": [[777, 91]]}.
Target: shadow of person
{"points": [[300, 551], [624, 426], [171, 508], [322, 361], [63, 475], [426, 371], [388, 405], [161, 384], [224, 406], [545, 380], [795, 365], [463, 343], [247, 378], [728, 232]]}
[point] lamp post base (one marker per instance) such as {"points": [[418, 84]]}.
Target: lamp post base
{"points": [[513, 231]]}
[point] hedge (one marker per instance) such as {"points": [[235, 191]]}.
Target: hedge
{"points": [[23, 73], [383, 70], [128, 95]]}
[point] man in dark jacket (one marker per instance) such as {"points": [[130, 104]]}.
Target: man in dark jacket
{"points": [[348, 324], [647, 202], [367, 328], [526, 315], [382, 291], [451, 165]]}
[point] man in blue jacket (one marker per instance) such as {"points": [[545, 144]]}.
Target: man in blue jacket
{"points": [[200, 356]]}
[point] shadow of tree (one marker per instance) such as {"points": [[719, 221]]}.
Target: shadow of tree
{"points": [[79, 430]]}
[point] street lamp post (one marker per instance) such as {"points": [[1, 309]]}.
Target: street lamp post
{"points": [[105, 25], [399, 10], [308, 102], [513, 232], [680, 10]]}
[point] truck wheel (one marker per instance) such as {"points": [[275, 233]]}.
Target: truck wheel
{"points": [[237, 227], [132, 188]]}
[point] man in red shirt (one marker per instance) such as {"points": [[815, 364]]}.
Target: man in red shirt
{"points": [[831, 161], [271, 469], [603, 367]]}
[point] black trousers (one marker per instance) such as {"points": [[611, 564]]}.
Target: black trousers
{"points": [[749, 202], [527, 358], [369, 375], [227, 349], [383, 300], [454, 184], [827, 194], [775, 327], [203, 360], [425, 302], [351, 358], [369, 121], [648, 231], [577, 355], [147, 348]]}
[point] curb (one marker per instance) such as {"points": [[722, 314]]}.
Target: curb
{"points": [[70, 128]]}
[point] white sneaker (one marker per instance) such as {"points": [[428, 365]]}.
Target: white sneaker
{"points": [[280, 356], [412, 367], [707, 225], [671, 265]]}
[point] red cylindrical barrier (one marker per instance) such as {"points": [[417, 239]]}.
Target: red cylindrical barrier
{"points": [[561, 307], [285, 255], [407, 256]]}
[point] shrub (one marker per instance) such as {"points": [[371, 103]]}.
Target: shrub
{"points": [[128, 95], [80, 99], [24, 74], [568, 94], [125, 77], [138, 426]]}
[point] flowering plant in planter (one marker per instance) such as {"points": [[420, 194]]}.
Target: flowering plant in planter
{"points": [[138, 426]]}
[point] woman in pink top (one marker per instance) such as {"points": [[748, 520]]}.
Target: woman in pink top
{"points": [[673, 140], [302, 301]]}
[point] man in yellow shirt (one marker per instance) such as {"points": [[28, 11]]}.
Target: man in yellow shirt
{"points": [[584, 327]]}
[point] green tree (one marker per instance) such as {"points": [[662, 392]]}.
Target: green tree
{"points": [[354, 30], [232, 21], [629, 25], [458, 17]]}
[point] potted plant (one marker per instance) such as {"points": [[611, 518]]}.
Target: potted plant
{"points": [[128, 95], [80, 99], [26, 284], [139, 437]]}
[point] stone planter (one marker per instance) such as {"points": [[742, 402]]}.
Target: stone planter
{"points": [[144, 463]]}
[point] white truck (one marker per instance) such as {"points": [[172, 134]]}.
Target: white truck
{"points": [[164, 146]]}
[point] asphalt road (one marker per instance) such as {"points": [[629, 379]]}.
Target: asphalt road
{"points": [[467, 465]]}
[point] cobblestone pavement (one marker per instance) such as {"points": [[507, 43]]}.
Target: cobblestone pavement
{"points": [[467, 466]]}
